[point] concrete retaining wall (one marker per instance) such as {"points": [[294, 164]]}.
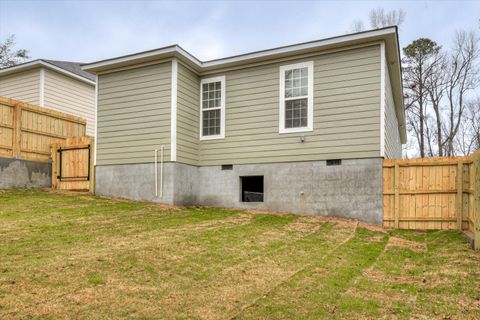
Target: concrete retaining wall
{"points": [[351, 190], [16, 173]]}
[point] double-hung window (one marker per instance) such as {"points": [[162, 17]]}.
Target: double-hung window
{"points": [[212, 108], [296, 97]]}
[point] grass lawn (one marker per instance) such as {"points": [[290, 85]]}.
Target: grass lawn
{"points": [[81, 256]]}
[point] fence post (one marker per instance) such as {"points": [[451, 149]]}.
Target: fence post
{"points": [[17, 131], [54, 156], [396, 173], [460, 195], [91, 186], [476, 192]]}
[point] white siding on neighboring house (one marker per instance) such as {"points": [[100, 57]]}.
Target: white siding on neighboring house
{"points": [[71, 96], [393, 146], [24, 86]]}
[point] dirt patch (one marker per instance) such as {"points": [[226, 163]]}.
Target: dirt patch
{"points": [[449, 272], [408, 244], [304, 225], [235, 221], [67, 192], [372, 227], [257, 211], [382, 277], [317, 218], [388, 298], [233, 288]]}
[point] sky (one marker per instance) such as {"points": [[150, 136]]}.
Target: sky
{"points": [[87, 31]]}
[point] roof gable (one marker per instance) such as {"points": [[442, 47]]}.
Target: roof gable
{"points": [[70, 69]]}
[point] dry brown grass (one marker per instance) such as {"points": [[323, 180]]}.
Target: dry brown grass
{"points": [[71, 255], [404, 243]]}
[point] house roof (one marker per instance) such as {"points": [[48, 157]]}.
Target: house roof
{"points": [[388, 36], [73, 67], [68, 68], [175, 50]]}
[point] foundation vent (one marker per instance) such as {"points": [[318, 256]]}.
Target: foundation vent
{"points": [[227, 166], [334, 162]]}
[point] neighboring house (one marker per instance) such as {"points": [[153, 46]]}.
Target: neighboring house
{"points": [[58, 85], [302, 128]]}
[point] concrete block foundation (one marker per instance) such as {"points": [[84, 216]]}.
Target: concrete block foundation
{"points": [[350, 190], [17, 173]]}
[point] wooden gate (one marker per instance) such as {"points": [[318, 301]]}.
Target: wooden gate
{"points": [[432, 193], [72, 164]]}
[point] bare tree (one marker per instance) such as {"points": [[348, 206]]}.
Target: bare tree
{"points": [[357, 26], [468, 137], [462, 78], [10, 57], [435, 86], [418, 64], [379, 18], [473, 121]]}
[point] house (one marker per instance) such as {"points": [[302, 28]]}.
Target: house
{"points": [[302, 128], [58, 85]]}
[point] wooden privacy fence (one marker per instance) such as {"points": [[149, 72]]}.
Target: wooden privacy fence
{"points": [[72, 164], [433, 193], [27, 131]]}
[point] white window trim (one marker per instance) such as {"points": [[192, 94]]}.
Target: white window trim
{"points": [[309, 126], [220, 79]]}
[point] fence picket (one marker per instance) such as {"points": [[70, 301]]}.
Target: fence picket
{"points": [[396, 171], [476, 192], [27, 131], [433, 193], [460, 195]]}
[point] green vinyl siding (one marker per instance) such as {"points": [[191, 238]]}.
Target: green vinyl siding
{"points": [[188, 97], [393, 146], [133, 114], [346, 120]]}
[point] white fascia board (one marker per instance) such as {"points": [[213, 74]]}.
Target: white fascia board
{"points": [[298, 47], [175, 49], [22, 66], [41, 63], [143, 55]]}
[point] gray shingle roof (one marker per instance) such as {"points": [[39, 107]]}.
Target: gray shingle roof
{"points": [[73, 67]]}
